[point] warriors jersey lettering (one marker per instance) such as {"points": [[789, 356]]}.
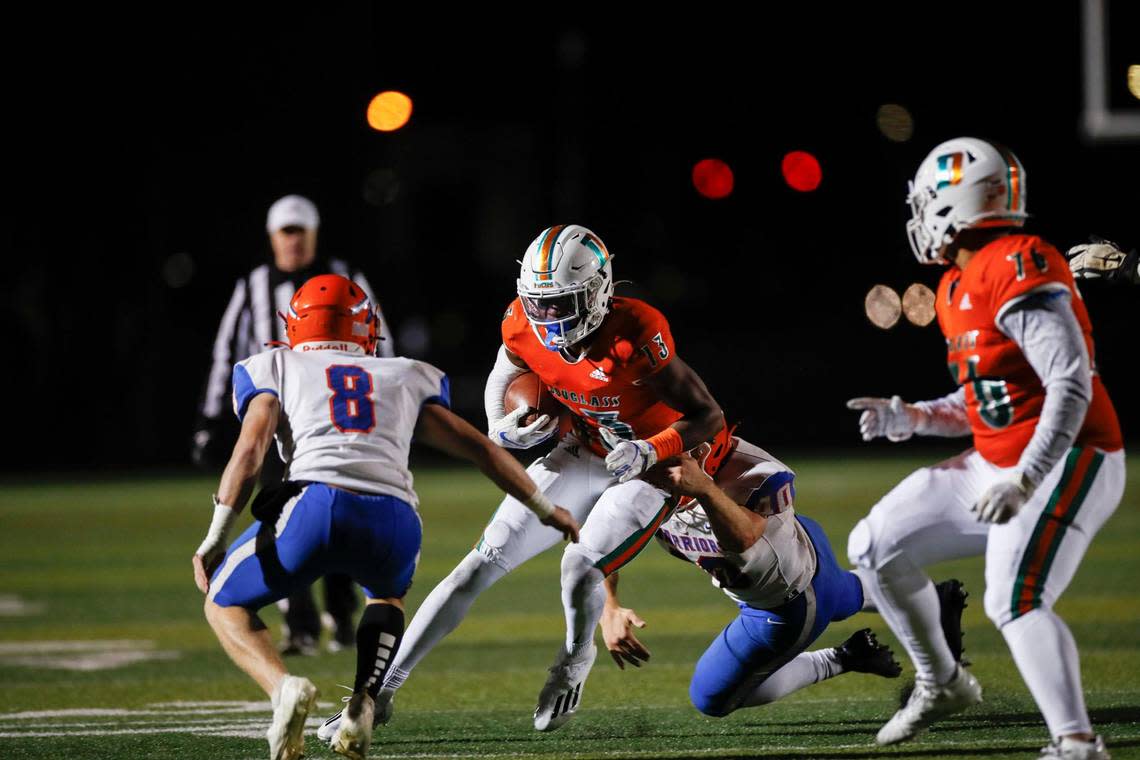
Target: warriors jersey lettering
{"points": [[783, 563], [603, 388], [1004, 396], [346, 417]]}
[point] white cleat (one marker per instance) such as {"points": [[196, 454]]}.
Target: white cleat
{"points": [[286, 735], [928, 703], [382, 713], [354, 733], [562, 693], [1075, 749]]}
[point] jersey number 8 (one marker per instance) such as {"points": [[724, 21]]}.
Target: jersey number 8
{"points": [[351, 407]]}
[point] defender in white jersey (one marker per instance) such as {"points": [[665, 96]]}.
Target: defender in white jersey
{"points": [[344, 420], [776, 565]]}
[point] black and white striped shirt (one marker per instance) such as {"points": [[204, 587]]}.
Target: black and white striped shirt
{"points": [[251, 321]]}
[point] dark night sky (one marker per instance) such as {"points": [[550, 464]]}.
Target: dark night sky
{"points": [[127, 147]]}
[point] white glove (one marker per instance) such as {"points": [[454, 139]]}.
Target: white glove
{"points": [[1103, 259], [1003, 500], [628, 459], [507, 433], [891, 417]]}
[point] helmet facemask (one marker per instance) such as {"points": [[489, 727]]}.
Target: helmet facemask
{"points": [[560, 318]]}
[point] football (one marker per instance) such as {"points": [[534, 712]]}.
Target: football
{"points": [[527, 390]]}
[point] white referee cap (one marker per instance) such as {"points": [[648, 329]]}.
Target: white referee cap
{"points": [[292, 211]]}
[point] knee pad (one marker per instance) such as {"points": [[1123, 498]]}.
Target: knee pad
{"points": [[497, 536], [861, 545]]}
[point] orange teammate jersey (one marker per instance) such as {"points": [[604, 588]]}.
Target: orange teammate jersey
{"points": [[601, 388], [1004, 396]]}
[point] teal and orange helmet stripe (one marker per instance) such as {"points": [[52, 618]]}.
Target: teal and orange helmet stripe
{"points": [[543, 266], [949, 170], [1013, 179], [633, 545], [1080, 471], [599, 249]]}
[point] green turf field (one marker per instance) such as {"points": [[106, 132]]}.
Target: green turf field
{"points": [[104, 652]]}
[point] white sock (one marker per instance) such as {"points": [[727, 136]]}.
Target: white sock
{"points": [[906, 599], [440, 613], [582, 598], [1047, 657], [805, 669]]}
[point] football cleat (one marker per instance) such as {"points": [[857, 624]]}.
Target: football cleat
{"points": [[286, 735], [1075, 749], [562, 692], [862, 653], [930, 702], [382, 710], [952, 597], [302, 645], [963, 184], [353, 734]]}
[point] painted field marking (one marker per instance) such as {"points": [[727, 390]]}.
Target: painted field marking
{"points": [[84, 656]]}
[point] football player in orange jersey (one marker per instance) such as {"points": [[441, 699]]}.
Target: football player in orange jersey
{"points": [[611, 361], [1047, 467]]}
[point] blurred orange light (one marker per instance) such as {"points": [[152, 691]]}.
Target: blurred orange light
{"points": [[801, 171], [389, 111], [713, 178]]}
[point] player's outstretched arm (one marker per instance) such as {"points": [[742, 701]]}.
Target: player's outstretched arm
{"points": [[446, 431], [682, 389], [898, 420], [1104, 259], [238, 479], [736, 527], [617, 628]]}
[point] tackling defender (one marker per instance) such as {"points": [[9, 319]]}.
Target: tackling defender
{"points": [[611, 361], [776, 565], [343, 419], [1047, 469]]}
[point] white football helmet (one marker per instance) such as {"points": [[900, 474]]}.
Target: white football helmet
{"points": [[566, 284], [964, 183]]}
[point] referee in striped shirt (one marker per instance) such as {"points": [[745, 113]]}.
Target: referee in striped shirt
{"points": [[249, 323]]}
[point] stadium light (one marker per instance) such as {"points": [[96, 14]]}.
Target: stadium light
{"points": [[389, 111], [895, 122], [713, 178], [918, 304], [801, 171], [882, 306]]}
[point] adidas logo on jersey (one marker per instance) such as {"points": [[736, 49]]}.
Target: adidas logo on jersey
{"points": [[965, 304], [597, 374]]}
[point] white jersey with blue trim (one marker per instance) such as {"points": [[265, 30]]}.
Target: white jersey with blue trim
{"points": [[780, 565], [346, 418]]}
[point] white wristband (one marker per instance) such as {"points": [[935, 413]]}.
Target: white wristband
{"points": [[539, 504], [224, 517]]}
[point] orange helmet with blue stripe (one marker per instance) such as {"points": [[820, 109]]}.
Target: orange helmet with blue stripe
{"points": [[331, 311], [566, 285]]}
